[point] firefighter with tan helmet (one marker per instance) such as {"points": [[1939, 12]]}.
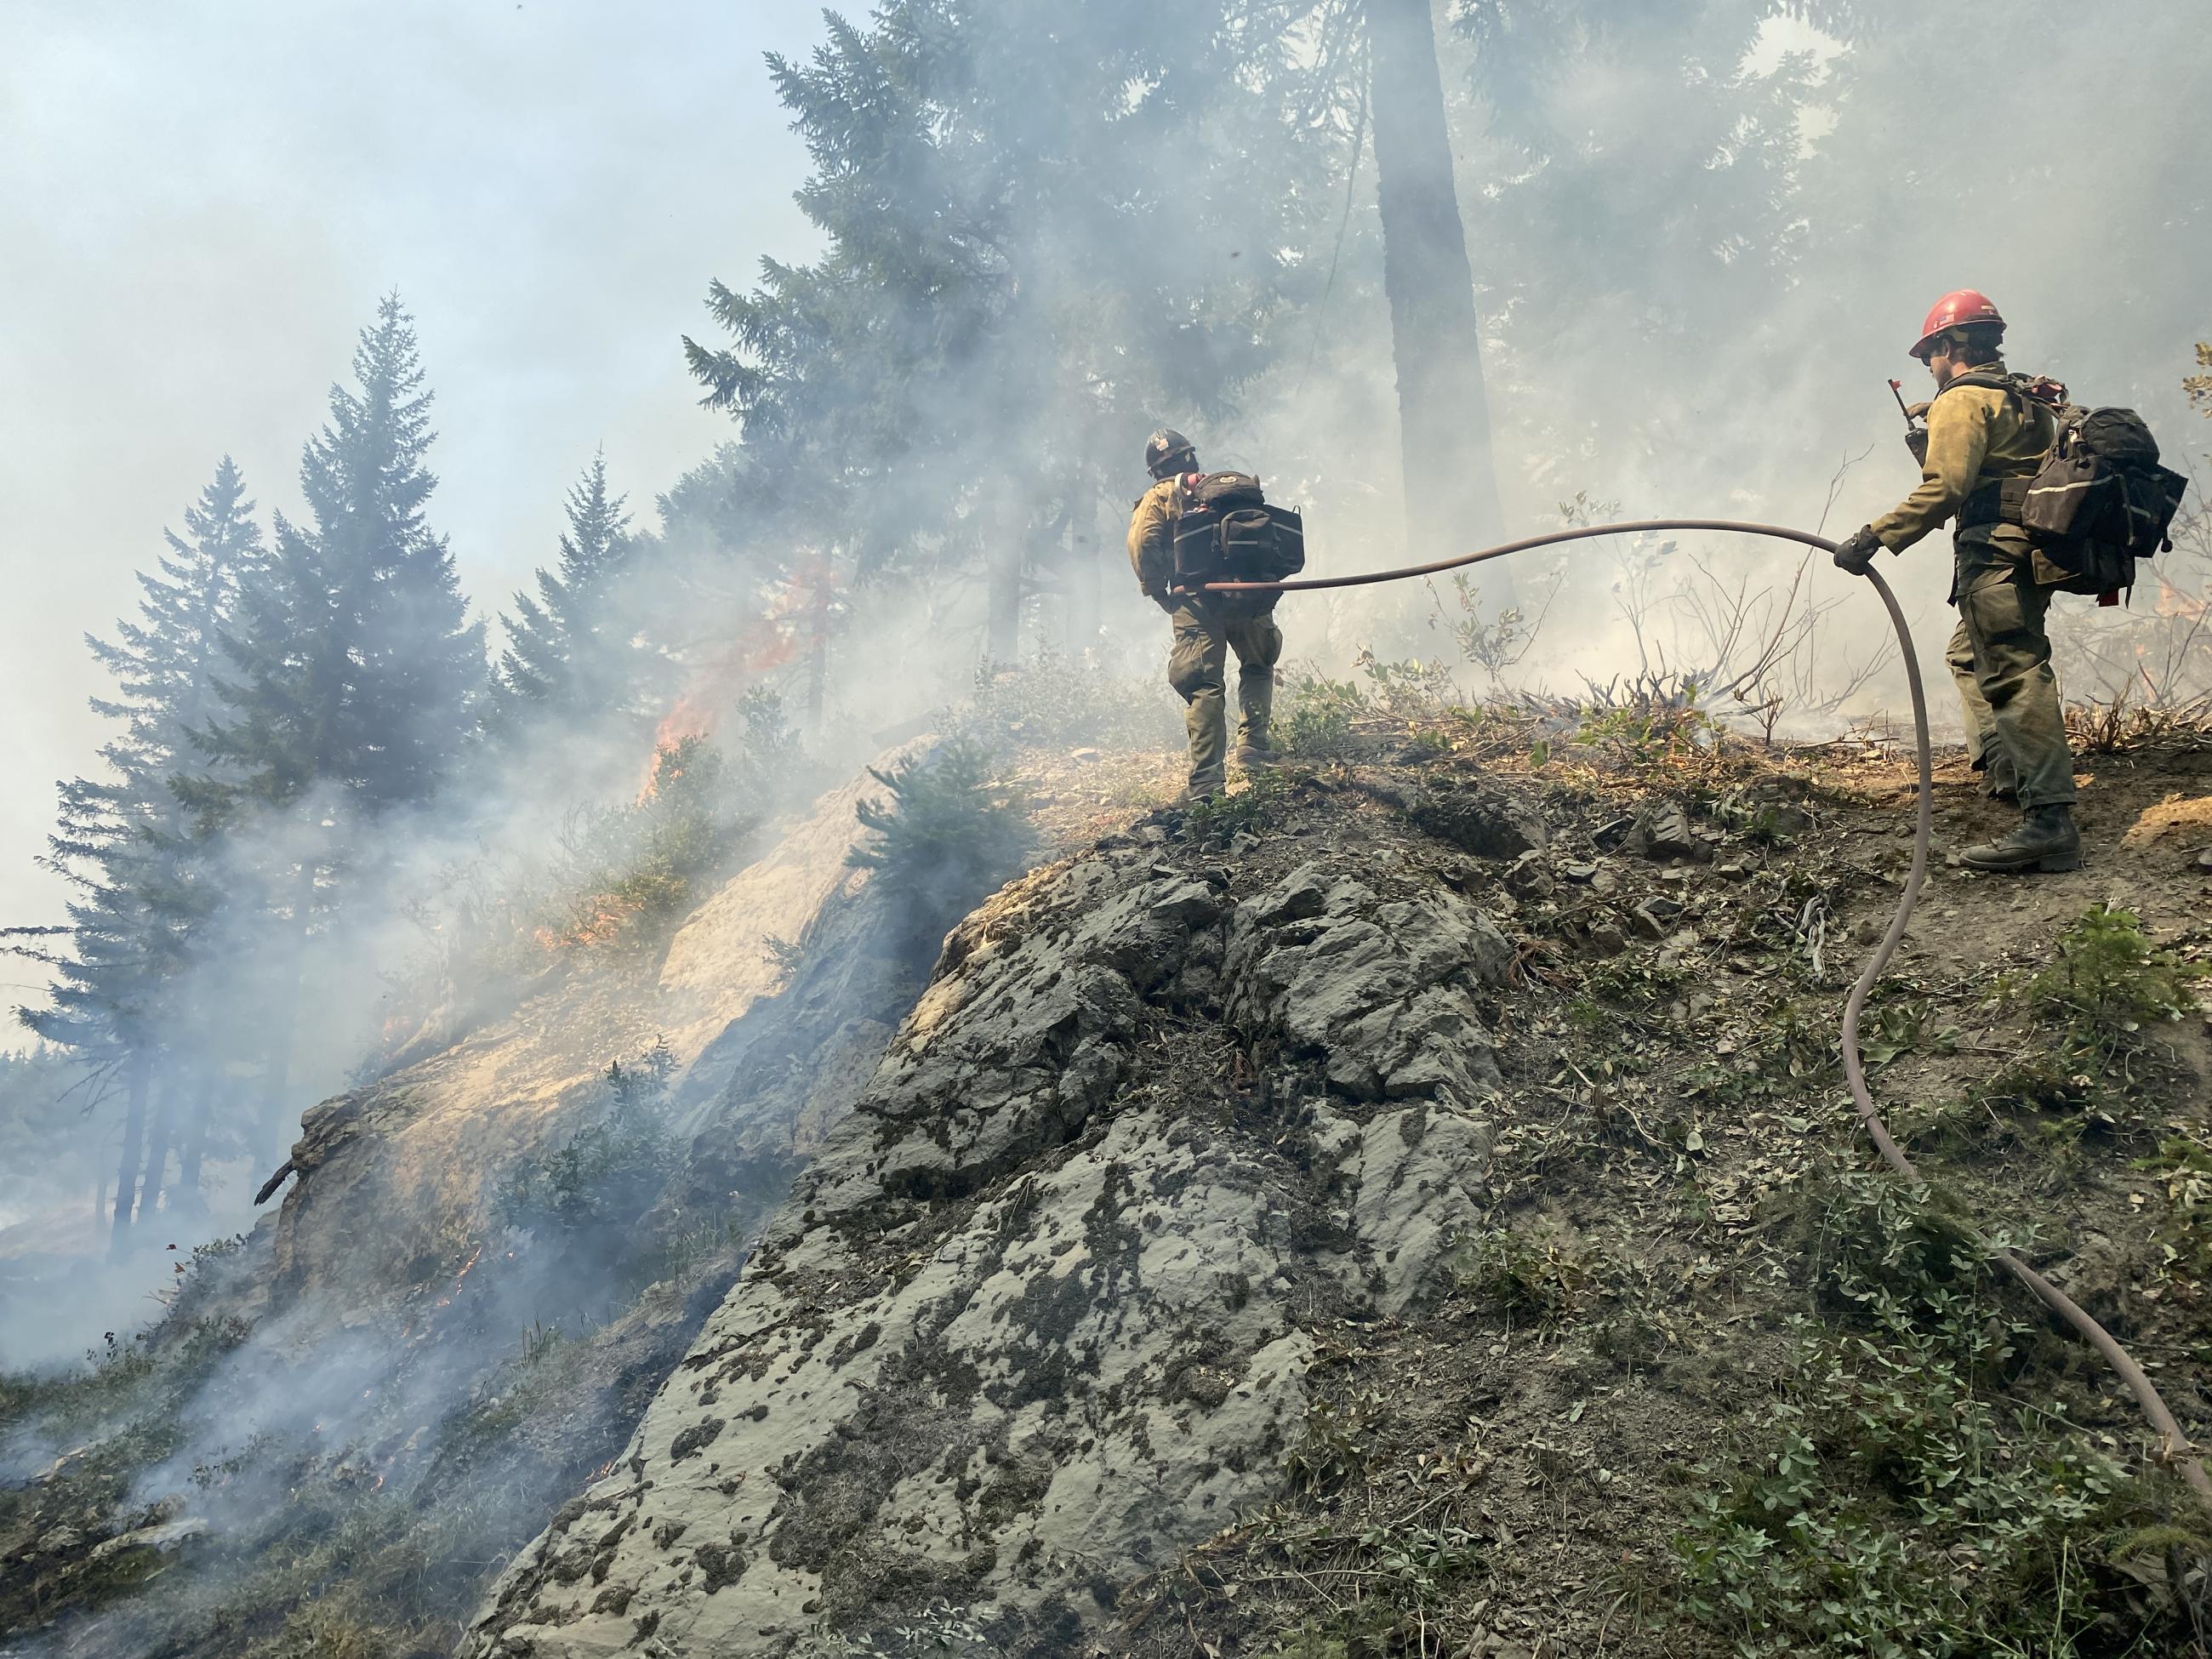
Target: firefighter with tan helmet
{"points": [[1985, 426], [1225, 506]]}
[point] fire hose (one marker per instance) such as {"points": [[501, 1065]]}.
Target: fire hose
{"points": [[2174, 1448]]}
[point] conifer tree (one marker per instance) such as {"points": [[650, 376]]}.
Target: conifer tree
{"points": [[355, 672], [560, 656], [355, 667], [127, 994], [1048, 227]]}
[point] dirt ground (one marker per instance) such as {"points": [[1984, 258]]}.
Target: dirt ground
{"points": [[1510, 1473]]}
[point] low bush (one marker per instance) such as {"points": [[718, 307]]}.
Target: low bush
{"points": [[2110, 981], [950, 834], [1318, 715], [607, 1175], [631, 870], [1899, 1498]]}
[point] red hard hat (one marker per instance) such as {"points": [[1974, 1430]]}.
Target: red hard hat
{"points": [[1956, 309]]}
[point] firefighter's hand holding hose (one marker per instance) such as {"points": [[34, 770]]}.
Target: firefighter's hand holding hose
{"points": [[1857, 554]]}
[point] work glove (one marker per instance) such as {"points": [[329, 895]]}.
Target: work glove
{"points": [[1856, 555]]}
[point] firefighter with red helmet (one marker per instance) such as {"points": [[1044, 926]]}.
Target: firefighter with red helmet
{"points": [[1985, 425]]}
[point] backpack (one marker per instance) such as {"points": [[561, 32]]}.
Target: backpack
{"points": [[1228, 533], [2100, 501]]}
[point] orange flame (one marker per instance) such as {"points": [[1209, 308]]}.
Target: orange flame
{"points": [[795, 618]]}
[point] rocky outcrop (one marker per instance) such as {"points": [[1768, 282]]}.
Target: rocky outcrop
{"points": [[1041, 1312], [398, 1178]]}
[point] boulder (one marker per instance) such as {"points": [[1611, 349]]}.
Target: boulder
{"points": [[1042, 1313]]}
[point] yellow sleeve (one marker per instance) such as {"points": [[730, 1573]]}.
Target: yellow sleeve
{"points": [[1959, 429], [1151, 540]]}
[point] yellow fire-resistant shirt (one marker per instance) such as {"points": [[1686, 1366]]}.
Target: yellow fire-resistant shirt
{"points": [[1975, 434], [1152, 537]]}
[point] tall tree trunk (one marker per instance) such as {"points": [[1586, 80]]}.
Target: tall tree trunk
{"points": [[133, 1136], [1450, 476], [157, 1147], [192, 1151]]}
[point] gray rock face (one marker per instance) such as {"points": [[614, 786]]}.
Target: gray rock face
{"points": [[1038, 1316]]}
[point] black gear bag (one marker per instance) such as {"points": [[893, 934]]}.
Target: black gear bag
{"points": [[2100, 501], [1228, 533]]}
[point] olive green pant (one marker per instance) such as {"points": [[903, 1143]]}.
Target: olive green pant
{"points": [[2000, 658], [1198, 663]]}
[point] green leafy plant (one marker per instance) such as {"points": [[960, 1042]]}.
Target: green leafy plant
{"points": [[1902, 1026], [951, 832], [1342, 1441], [2110, 981], [1218, 817], [1410, 689], [1318, 715], [1536, 1274], [630, 870], [1896, 1499], [608, 1175]]}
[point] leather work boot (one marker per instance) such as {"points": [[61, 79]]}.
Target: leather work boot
{"points": [[1255, 754], [1195, 791], [2044, 839]]}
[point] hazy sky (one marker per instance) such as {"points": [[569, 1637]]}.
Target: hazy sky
{"points": [[199, 206]]}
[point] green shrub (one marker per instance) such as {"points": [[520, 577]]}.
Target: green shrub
{"points": [[1890, 1504], [1216, 817], [2110, 981], [1410, 689], [633, 869], [950, 834], [1539, 1275], [1897, 1499], [1318, 715], [608, 1175]]}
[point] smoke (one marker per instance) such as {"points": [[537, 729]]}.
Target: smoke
{"points": [[1702, 243], [201, 212]]}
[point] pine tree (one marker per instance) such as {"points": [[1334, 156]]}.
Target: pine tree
{"points": [[355, 672], [561, 657], [356, 668], [1048, 227], [127, 987]]}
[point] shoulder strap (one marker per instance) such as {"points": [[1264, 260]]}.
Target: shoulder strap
{"points": [[1988, 378]]}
